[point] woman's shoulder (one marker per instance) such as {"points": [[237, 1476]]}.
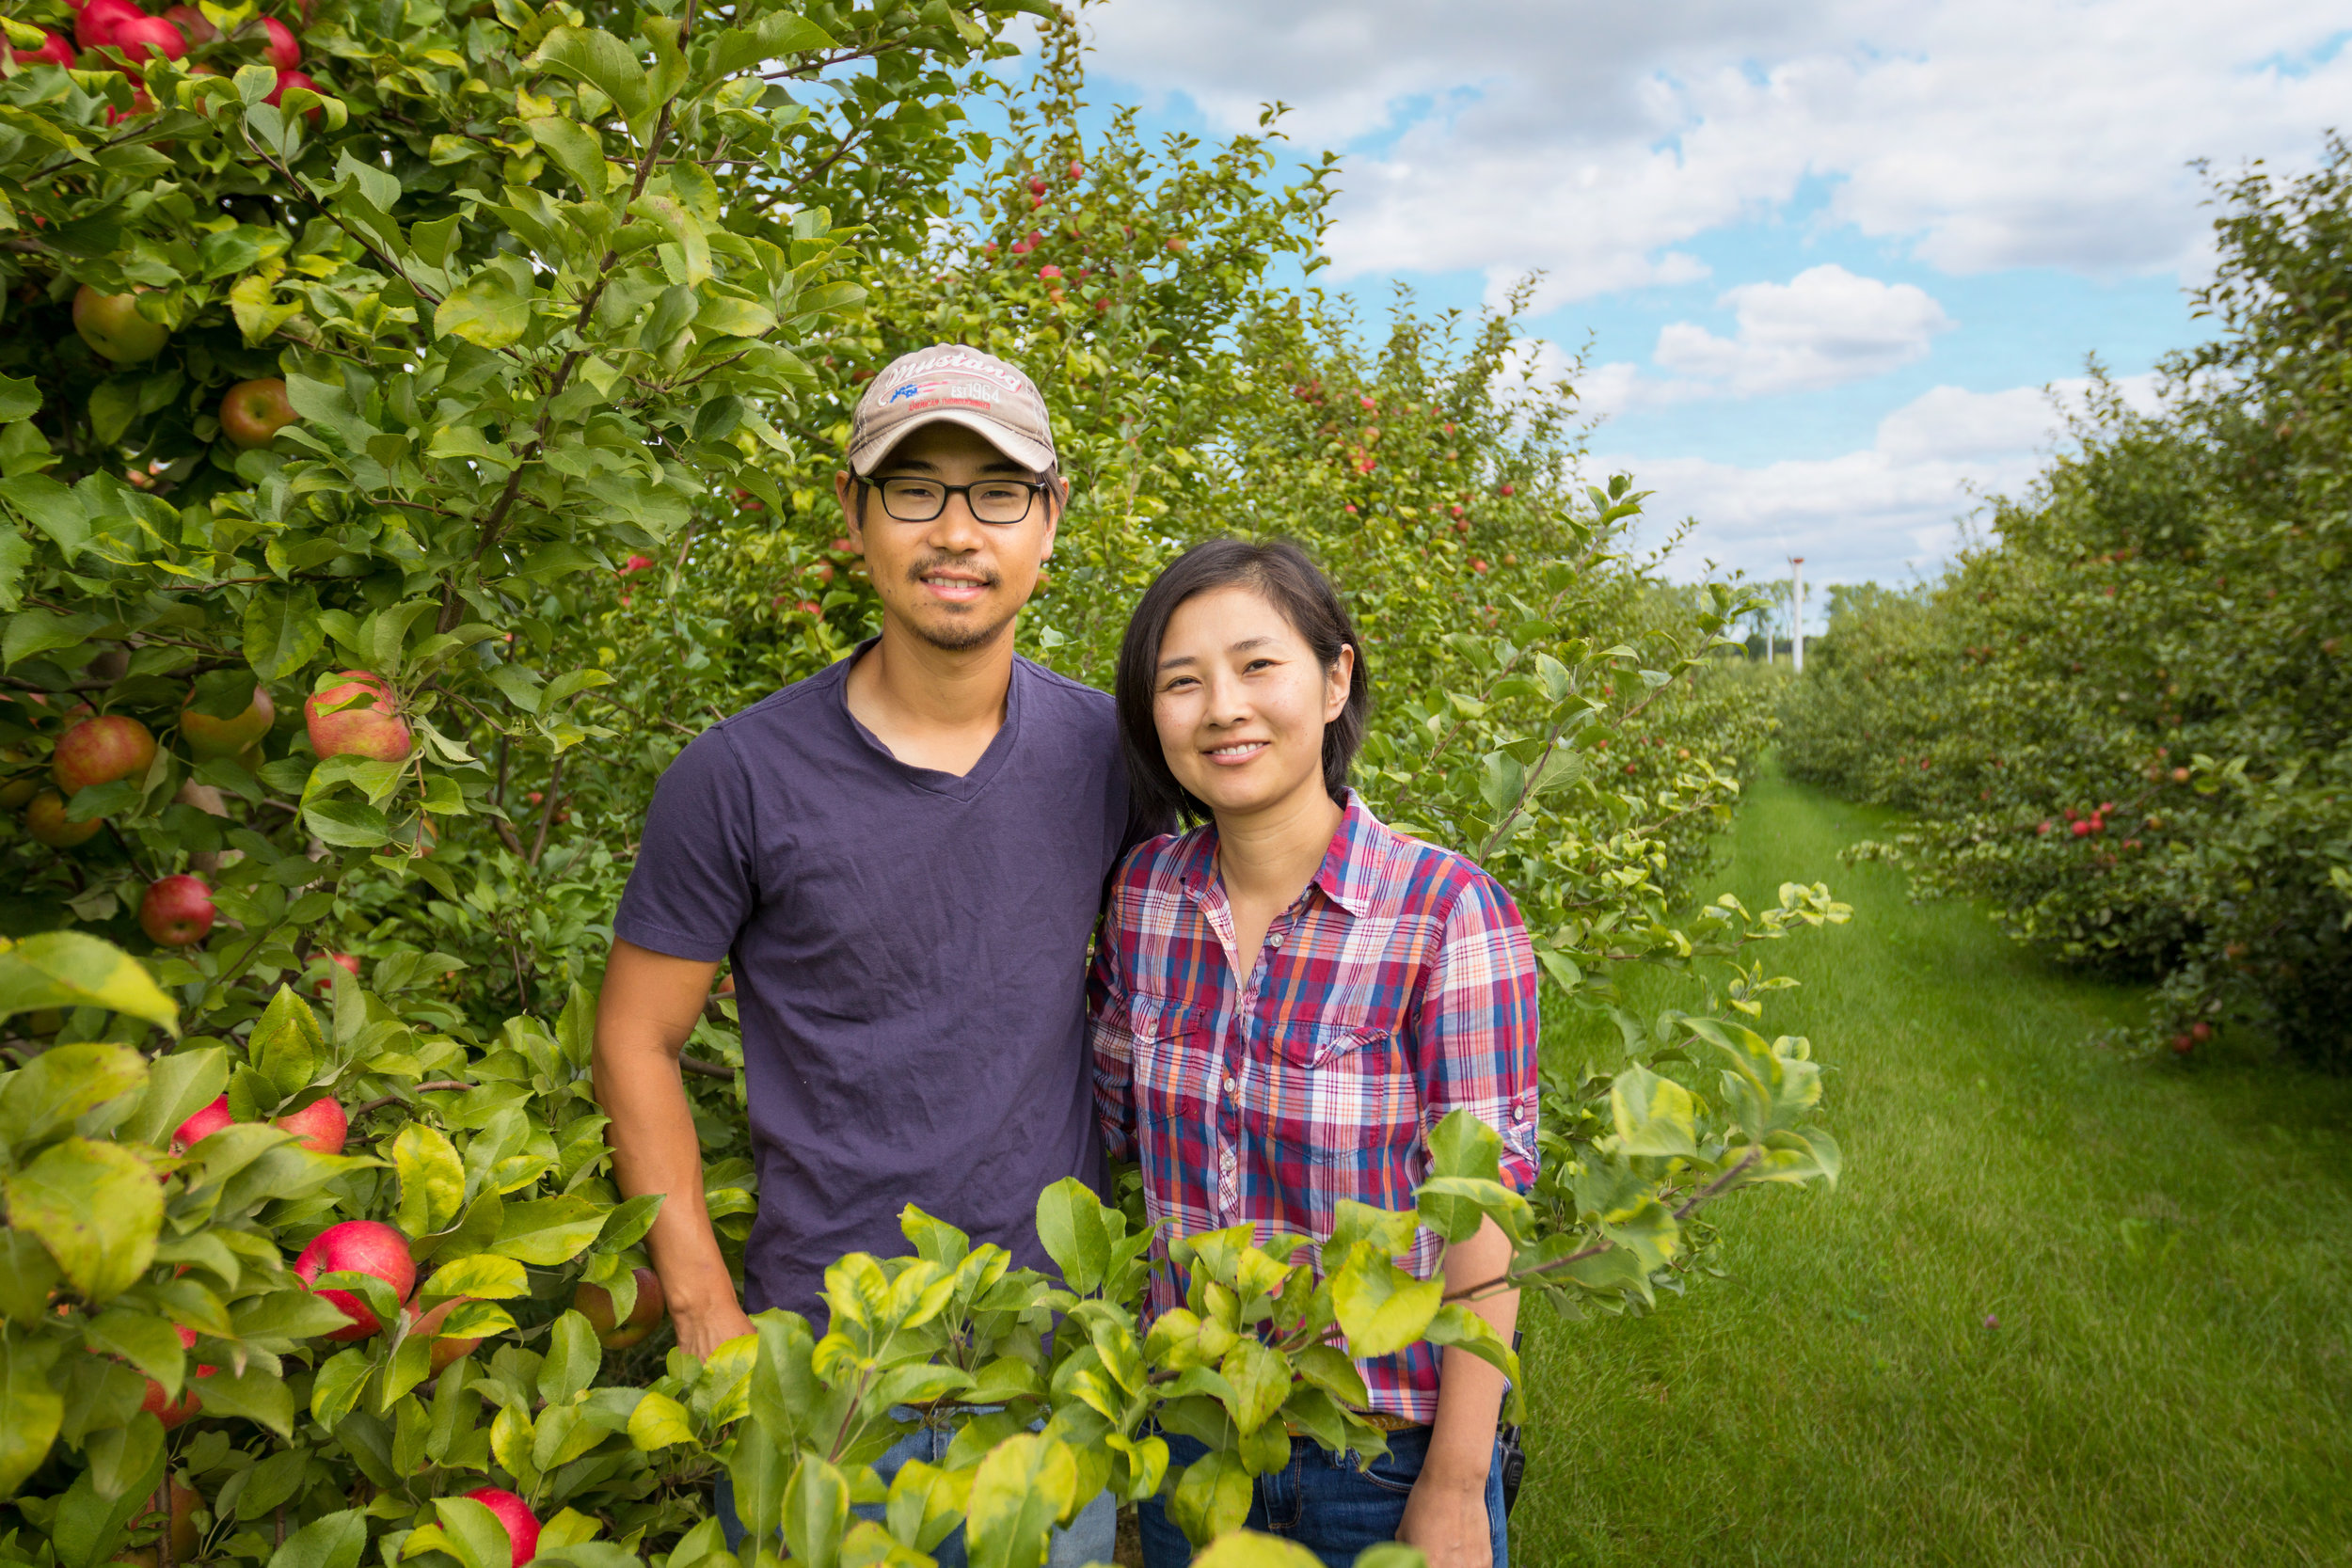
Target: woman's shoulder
{"points": [[1160, 864], [1417, 873]]}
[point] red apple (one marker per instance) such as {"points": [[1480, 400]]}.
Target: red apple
{"points": [[204, 1124], [319, 1126], [207, 737], [595, 1303], [2201, 1031], [177, 910], [148, 38], [1179, 245], [1507, 490], [287, 81], [253, 412], [55, 49], [95, 27], [522, 1526], [2081, 830], [111, 323], [1077, 169], [444, 1351], [281, 49], [358, 1246], [192, 23], [100, 751], [2182, 1045], [371, 726], [181, 1519], [44, 819]]}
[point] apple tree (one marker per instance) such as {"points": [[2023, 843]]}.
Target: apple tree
{"points": [[2122, 718]]}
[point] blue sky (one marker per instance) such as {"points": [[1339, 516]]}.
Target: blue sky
{"points": [[1826, 253]]}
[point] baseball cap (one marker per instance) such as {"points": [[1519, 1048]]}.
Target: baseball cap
{"points": [[947, 384]]}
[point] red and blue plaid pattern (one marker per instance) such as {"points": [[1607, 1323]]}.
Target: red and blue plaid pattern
{"points": [[1399, 988]]}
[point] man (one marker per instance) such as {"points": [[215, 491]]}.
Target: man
{"points": [[905, 855]]}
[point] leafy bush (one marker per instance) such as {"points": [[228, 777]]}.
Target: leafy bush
{"points": [[311, 1231], [2125, 719]]}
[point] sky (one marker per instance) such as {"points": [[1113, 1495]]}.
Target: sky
{"points": [[1829, 260]]}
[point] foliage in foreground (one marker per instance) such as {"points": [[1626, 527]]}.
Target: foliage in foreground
{"points": [[2128, 720], [556, 295]]}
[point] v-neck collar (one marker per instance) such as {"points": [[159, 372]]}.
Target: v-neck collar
{"points": [[964, 786]]}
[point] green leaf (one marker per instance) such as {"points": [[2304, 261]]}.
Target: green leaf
{"points": [[67, 969], [548, 1231], [1246, 1548], [281, 630], [1069, 1223], [485, 1276], [576, 149], [54, 510], [658, 1422], [1654, 1116], [487, 310], [55, 1087], [145, 1340], [1212, 1497], [347, 824], [96, 1206], [476, 1537], [572, 1359], [178, 1086], [1261, 1380], [926, 1503], [30, 1410], [256, 1394], [1461, 1144], [20, 397], [335, 1541], [602, 61], [1022, 1488], [432, 1178], [286, 1046], [37, 631], [1380, 1307], [777, 33], [120, 1457]]}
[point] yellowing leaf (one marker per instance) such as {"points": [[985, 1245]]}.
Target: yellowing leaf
{"points": [[96, 1206]]}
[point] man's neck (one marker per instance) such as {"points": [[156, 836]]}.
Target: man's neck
{"points": [[933, 707]]}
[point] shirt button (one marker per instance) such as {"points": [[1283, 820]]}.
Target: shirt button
{"points": [[1275, 941], [1232, 1085]]}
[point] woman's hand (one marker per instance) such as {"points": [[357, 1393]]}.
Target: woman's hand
{"points": [[1446, 1517]]}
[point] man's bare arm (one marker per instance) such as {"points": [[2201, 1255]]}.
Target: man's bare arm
{"points": [[649, 1005]]}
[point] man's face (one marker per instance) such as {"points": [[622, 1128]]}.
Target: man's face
{"points": [[954, 581]]}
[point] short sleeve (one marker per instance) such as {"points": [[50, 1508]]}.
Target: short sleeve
{"points": [[693, 887]]}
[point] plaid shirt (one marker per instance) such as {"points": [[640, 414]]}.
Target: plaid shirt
{"points": [[1398, 988]]}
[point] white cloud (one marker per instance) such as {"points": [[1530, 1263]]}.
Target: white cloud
{"points": [[1880, 514], [1599, 142], [1823, 327]]}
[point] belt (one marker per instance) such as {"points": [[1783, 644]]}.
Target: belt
{"points": [[1379, 1419]]}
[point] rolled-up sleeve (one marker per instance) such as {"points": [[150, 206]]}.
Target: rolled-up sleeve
{"points": [[1111, 1037], [1478, 1025]]}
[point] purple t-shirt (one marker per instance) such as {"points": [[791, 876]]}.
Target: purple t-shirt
{"points": [[909, 960]]}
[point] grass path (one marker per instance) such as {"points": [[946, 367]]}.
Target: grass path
{"points": [[2166, 1249]]}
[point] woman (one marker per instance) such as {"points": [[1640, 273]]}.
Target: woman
{"points": [[1286, 1000]]}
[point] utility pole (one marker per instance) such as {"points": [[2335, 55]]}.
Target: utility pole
{"points": [[1796, 611]]}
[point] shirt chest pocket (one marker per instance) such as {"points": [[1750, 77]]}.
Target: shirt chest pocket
{"points": [[1336, 1090], [1176, 1063]]}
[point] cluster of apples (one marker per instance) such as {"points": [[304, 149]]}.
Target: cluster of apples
{"points": [[252, 412], [178, 911], [123, 25]]}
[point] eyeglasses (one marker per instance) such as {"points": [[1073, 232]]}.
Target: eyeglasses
{"points": [[992, 500]]}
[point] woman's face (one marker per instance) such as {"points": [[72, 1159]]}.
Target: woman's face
{"points": [[1240, 702]]}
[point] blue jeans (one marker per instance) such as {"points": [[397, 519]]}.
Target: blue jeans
{"points": [[1092, 1537], [1321, 1501]]}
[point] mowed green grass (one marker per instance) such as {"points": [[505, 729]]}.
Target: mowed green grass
{"points": [[2166, 1248]]}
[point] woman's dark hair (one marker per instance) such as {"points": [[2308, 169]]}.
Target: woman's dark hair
{"points": [[1281, 574]]}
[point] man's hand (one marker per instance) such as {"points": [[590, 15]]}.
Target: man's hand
{"points": [[648, 1006], [702, 1332], [1446, 1517]]}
